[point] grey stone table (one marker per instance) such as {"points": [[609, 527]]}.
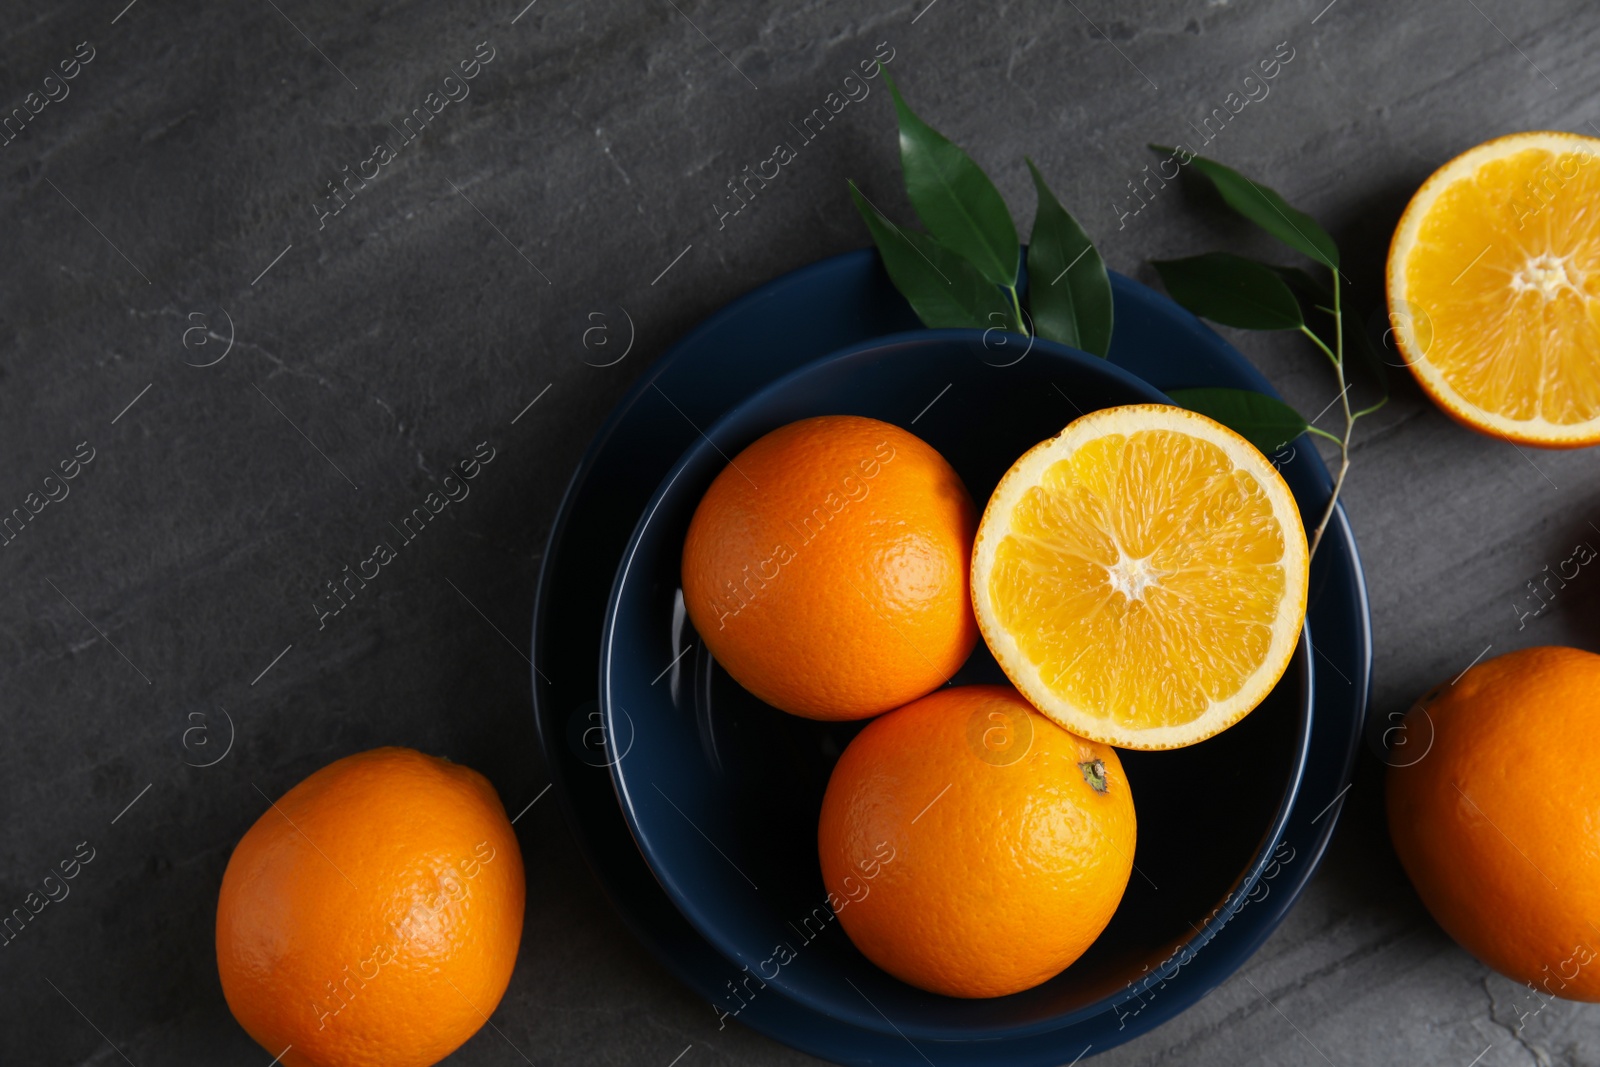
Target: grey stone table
{"points": [[208, 177]]}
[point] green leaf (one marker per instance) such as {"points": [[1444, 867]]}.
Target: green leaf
{"points": [[1069, 293], [1307, 289], [1232, 290], [954, 198], [942, 288], [1267, 209], [1266, 423]]}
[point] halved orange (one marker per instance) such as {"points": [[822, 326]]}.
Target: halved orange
{"points": [[1494, 288], [1141, 576]]}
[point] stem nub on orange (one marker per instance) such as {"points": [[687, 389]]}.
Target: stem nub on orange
{"points": [[1498, 822], [372, 915], [826, 568], [972, 847]]}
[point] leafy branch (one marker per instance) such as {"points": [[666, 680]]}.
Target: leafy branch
{"points": [[964, 272], [1249, 295]]}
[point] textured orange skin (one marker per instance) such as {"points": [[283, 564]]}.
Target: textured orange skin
{"points": [[1498, 825], [826, 568], [966, 877], [405, 830]]}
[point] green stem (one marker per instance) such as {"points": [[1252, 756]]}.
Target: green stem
{"points": [[1338, 321], [1349, 419], [1016, 307], [1338, 484], [1320, 432]]}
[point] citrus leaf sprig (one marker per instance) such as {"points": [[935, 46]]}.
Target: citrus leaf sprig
{"points": [[1250, 295], [964, 271]]}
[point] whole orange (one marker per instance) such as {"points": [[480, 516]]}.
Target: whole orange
{"points": [[826, 568], [1498, 823], [372, 915], [972, 847]]}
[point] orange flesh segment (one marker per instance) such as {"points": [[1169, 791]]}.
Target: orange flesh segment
{"points": [[1142, 576], [1509, 282]]}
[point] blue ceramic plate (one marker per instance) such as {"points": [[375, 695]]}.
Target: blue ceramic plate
{"points": [[827, 306], [722, 792]]}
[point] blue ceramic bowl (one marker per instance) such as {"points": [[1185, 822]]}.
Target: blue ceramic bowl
{"points": [[722, 792]]}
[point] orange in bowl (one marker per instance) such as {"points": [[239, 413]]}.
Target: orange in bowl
{"points": [[1141, 577], [977, 848], [826, 568]]}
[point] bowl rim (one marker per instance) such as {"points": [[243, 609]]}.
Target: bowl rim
{"points": [[1179, 951]]}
